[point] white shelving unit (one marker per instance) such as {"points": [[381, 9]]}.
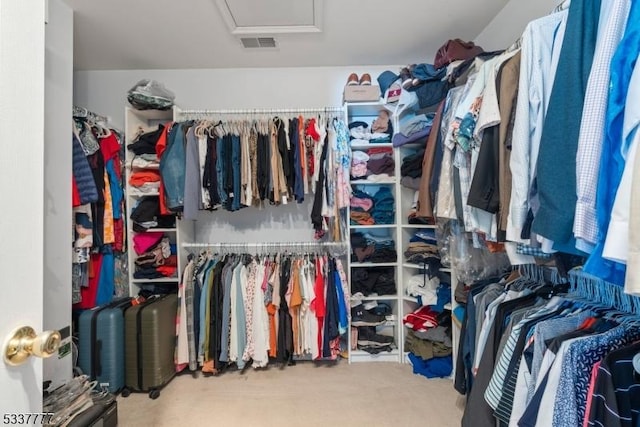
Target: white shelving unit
{"points": [[401, 231], [148, 120]]}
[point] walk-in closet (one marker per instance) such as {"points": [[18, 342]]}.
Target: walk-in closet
{"points": [[312, 212]]}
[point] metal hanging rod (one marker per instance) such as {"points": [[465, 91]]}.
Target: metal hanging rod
{"points": [[80, 112], [270, 245], [186, 113]]}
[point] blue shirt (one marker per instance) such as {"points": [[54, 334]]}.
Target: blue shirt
{"points": [[615, 143]]}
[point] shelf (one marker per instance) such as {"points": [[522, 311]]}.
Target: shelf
{"points": [[375, 298], [371, 145], [152, 114], [372, 226], [365, 182], [385, 356], [135, 196], [365, 109], [161, 230], [410, 299], [418, 226], [159, 280], [412, 265], [374, 264], [446, 270]]}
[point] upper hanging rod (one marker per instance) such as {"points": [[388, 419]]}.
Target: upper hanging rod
{"points": [[335, 247], [261, 111], [80, 112]]}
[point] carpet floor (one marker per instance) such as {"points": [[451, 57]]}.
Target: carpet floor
{"points": [[309, 395]]}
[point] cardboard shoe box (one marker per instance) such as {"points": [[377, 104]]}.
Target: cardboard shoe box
{"points": [[356, 93]]}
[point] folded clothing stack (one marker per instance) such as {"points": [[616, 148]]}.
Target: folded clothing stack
{"points": [[422, 246], [428, 338], [145, 182], [367, 248], [364, 318], [146, 143], [380, 131], [375, 280], [412, 165], [370, 210], [146, 215], [413, 128], [156, 256], [375, 164]]}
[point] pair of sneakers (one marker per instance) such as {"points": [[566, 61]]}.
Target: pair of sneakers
{"points": [[364, 80]]}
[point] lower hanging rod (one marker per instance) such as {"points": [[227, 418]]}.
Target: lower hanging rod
{"points": [[267, 245]]}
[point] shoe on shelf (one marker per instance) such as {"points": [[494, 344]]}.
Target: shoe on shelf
{"points": [[407, 79], [365, 79], [353, 80], [368, 337], [362, 317]]}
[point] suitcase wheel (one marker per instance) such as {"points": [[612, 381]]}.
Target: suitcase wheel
{"points": [[125, 392], [154, 394]]}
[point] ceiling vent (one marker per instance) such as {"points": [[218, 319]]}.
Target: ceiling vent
{"points": [[258, 42]]}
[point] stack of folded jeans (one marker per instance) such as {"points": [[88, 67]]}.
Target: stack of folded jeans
{"points": [[375, 280], [368, 248]]}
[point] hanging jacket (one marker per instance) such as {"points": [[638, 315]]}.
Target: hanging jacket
{"points": [[82, 174], [172, 168]]}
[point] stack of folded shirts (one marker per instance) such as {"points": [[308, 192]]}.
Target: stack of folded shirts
{"points": [[146, 215], [359, 161], [361, 204], [145, 161], [383, 206], [375, 280], [412, 165], [156, 257], [371, 210], [413, 128], [376, 164], [423, 244], [428, 333], [368, 248], [145, 182], [361, 134]]}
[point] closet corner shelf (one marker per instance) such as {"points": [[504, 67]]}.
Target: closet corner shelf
{"points": [[421, 267], [376, 298], [409, 298], [363, 356], [418, 226], [446, 270], [152, 114], [159, 280], [372, 226], [366, 109], [373, 145], [374, 264]]}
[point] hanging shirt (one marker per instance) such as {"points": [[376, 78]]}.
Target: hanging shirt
{"points": [[613, 21], [615, 146], [540, 41]]}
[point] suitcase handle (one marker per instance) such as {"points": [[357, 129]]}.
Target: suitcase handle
{"points": [[97, 358]]}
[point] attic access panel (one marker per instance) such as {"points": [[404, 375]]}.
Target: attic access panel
{"points": [[272, 16]]}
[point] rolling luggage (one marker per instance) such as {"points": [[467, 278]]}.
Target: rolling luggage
{"points": [[101, 344], [150, 340]]}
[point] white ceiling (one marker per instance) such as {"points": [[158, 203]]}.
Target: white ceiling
{"points": [[170, 34]]}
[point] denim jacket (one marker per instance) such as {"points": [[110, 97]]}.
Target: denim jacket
{"points": [[172, 168]]}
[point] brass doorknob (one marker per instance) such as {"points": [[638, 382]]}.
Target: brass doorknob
{"points": [[24, 342]]}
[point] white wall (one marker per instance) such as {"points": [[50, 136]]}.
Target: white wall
{"points": [[104, 92], [22, 80], [57, 191], [509, 23]]}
